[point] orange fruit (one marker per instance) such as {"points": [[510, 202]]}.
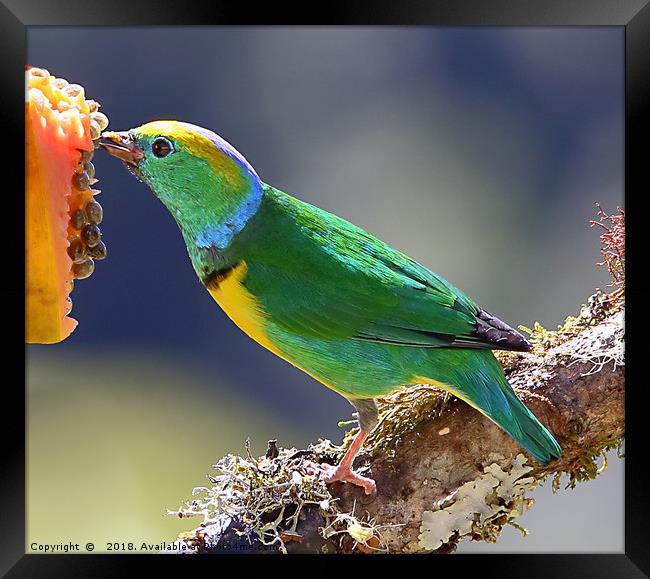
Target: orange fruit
{"points": [[63, 239]]}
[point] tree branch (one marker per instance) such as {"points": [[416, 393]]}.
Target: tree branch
{"points": [[444, 472]]}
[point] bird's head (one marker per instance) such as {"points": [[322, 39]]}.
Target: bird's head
{"points": [[204, 182]]}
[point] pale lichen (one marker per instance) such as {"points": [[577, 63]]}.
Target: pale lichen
{"points": [[600, 346], [262, 500], [479, 508]]}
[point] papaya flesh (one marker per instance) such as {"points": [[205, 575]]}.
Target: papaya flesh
{"points": [[62, 236]]}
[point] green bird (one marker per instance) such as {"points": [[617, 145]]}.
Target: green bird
{"points": [[326, 296]]}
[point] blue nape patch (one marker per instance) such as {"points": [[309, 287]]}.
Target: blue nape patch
{"points": [[220, 235]]}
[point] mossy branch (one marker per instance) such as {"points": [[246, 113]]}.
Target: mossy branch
{"points": [[444, 472]]}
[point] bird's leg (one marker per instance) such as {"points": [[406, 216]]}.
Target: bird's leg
{"points": [[368, 419], [344, 473]]}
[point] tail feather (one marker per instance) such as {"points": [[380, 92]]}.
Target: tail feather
{"points": [[527, 430], [489, 392]]}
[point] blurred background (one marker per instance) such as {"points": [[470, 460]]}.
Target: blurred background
{"points": [[480, 152]]}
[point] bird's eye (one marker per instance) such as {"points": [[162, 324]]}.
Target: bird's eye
{"points": [[161, 147]]}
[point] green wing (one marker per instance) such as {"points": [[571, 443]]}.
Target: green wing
{"points": [[321, 276]]}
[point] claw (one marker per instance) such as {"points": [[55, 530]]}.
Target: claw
{"points": [[343, 472], [333, 474]]}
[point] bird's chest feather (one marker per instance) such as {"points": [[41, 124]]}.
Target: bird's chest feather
{"points": [[240, 305]]}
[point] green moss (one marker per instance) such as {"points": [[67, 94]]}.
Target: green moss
{"points": [[585, 466], [599, 306], [400, 413]]}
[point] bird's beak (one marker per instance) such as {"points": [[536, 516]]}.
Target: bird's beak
{"points": [[122, 146]]}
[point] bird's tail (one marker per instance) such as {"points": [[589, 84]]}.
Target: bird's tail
{"points": [[526, 429], [491, 394]]}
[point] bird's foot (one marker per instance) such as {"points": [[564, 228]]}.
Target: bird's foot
{"points": [[343, 472], [331, 474]]}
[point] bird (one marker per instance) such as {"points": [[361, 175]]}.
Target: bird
{"points": [[325, 295]]}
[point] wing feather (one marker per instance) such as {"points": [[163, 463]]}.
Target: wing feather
{"points": [[337, 281]]}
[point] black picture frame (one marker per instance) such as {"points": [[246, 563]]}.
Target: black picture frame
{"points": [[634, 15]]}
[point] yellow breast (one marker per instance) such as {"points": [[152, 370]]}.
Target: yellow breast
{"points": [[242, 307]]}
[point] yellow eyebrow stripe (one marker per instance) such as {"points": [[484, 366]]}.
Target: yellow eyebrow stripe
{"points": [[199, 146]]}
